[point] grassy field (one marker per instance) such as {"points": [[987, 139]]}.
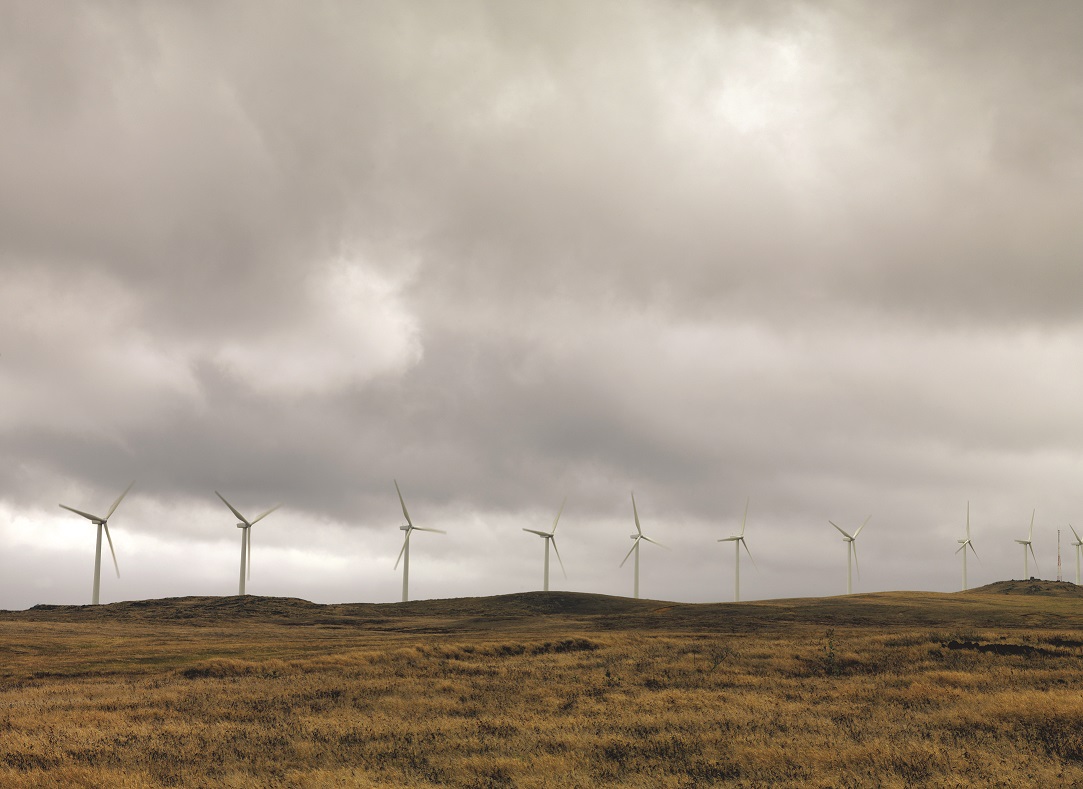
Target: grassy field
{"points": [[549, 689]]}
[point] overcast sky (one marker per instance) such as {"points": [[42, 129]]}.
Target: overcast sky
{"points": [[825, 257]]}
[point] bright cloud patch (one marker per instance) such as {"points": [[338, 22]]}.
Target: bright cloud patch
{"points": [[354, 328], [78, 357]]}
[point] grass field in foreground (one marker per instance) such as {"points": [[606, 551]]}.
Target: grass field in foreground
{"points": [[554, 689]]}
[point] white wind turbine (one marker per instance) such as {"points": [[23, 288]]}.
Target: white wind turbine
{"points": [[1028, 543], [1077, 545], [404, 554], [964, 544], [738, 540], [103, 525], [638, 537], [245, 526], [851, 555], [549, 537]]}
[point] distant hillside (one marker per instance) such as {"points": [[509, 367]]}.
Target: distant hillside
{"points": [[1034, 586], [1001, 605], [215, 610]]}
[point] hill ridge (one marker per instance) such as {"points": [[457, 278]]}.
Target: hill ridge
{"points": [[1001, 604]]}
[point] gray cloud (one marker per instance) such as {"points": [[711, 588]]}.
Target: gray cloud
{"points": [[819, 255]]}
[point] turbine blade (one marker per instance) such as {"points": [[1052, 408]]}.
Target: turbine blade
{"points": [[114, 553], [1070, 526], [745, 516], [423, 528], [634, 544], [1031, 536], [405, 514], [232, 508], [402, 550], [859, 528], [729, 539], [749, 554], [973, 550], [844, 534], [961, 547], [857, 566], [1035, 558], [648, 539], [636, 513], [557, 518], [968, 520], [554, 541], [86, 515], [539, 533], [119, 499], [264, 515]]}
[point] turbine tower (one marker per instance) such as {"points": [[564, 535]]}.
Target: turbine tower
{"points": [[245, 526], [964, 544], [1028, 544], [851, 554], [103, 525], [639, 536], [1077, 545], [549, 538], [404, 554], [738, 540]]}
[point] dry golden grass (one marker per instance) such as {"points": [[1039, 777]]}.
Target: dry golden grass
{"points": [[546, 690]]}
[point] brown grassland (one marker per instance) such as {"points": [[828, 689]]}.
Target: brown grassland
{"points": [[983, 688]]}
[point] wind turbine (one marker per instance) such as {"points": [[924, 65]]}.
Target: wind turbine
{"points": [[549, 538], [1028, 543], [638, 537], [851, 555], [1077, 545], [404, 554], [738, 540], [103, 525], [964, 544], [246, 538]]}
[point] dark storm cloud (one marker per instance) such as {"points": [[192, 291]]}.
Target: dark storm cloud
{"points": [[820, 254]]}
